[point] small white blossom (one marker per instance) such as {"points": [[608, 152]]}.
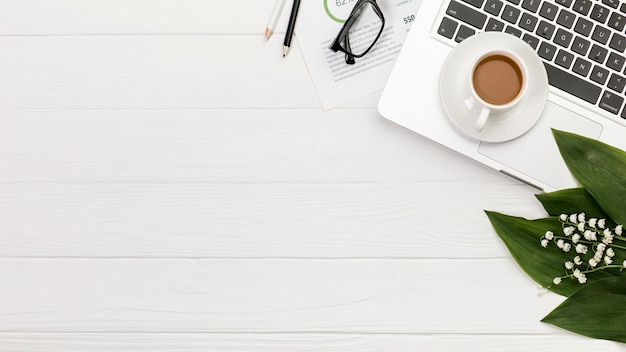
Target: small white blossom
{"points": [[577, 273], [624, 264], [619, 229], [601, 223], [567, 247], [577, 260], [592, 222], [563, 217], [581, 248], [573, 218], [560, 243], [587, 235], [557, 280], [581, 217], [608, 260], [568, 231], [601, 247], [575, 238], [549, 235], [581, 226], [582, 279], [544, 243], [610, 252], [569, 265], [593, 262]]}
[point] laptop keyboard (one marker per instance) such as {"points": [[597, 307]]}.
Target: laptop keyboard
{"points": [[581, 42]]}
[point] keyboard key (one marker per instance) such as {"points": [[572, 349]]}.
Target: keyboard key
{"points": [[563, 37], [528, 22], [547, 51], [475, 3], [466, 14], [516, 2], [447, 27], [494, 25], [566, 3], [617, 21], [583, 26], [582, 6], [615, 62], [599, 13], [512, 30], [564, 59], [618, 43], [581, 46], [612, 3], [617, 83], [531, 5], [573, 84], [566, 19], [548, 11], [599, 75], [601, 34], [510, 14], [545, 30], [494, 7], [598, 54], [582, 67], [611, 102], [532, 41], [464, 33]]}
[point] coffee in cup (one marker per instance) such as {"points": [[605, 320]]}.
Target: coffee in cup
{"points": [[497, 82]]}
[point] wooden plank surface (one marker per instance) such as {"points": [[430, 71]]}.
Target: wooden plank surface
{"points": [[168, 182]]}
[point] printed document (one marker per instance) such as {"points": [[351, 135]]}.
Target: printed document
{"points": [[337, 82]]}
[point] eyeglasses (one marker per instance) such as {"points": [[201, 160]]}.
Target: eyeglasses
{"points": [[360, 31]]}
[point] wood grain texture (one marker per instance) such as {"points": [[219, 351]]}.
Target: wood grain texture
{"points": [[298, 342], [250, 220], [270, 295]]}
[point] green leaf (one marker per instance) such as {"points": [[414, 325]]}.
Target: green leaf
{"points": [[598, 167], [570, 201], [597, 310], [522, 238]]}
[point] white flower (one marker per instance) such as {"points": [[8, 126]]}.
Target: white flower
{"points": [[544, 243], [587, 235], [557, 280], [563, 217], [581, 217], [608, 239], [601, 223], [549, 235], [577, 273], [581, 226], [581, 248], [619, 229], [568, 231], [593, 262], [608, 260], [575, 238], [610, 252], [569, 265], [567, 247], [573, 217], [601, 247], [560, 243], [582, 278], [577, 260], [624, 264], [592, 222]]}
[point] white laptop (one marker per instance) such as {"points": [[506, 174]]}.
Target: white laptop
{"points": [[582, 45]]}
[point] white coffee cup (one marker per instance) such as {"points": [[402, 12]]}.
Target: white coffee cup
{"points": [[497, 81]]}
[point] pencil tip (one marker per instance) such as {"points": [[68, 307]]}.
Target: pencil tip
{"points": [[268, 33], [285, 50]]}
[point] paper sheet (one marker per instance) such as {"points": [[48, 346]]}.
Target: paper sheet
{"points": [[320, 21]]}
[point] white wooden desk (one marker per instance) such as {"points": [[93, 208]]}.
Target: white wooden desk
{"points": [[168, 182]]}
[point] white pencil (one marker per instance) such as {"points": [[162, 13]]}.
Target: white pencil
{"points": [[271, 24]]}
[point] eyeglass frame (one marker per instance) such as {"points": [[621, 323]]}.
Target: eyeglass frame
{"points": [[343, 32]]}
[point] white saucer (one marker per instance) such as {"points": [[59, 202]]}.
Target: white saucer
{"points": [[453, 88]]}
